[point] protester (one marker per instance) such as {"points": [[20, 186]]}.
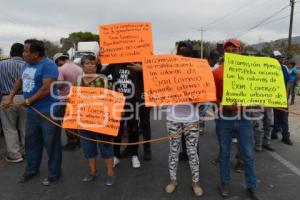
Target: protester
{"points": [[13, 118], [91, 79], [292, 81], [39, 74], [183, 153], [228, 122], [180, 117], [281, 121], [143, 112], [124, 80], [213, 58], [263, 130], [220, 62], [68, 75]]}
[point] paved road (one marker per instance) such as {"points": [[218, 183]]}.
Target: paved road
{"points": [[278, 174]]}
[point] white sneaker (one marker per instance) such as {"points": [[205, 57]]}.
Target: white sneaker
{"points": [[135, 162], [14, 160], [116, 162], [234, 140]]}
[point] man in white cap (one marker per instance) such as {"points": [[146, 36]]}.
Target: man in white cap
{"points": [[281, 122], [68, 75]]}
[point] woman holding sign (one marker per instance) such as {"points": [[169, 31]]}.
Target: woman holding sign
{"points": [[91, 79], [183, 118]]}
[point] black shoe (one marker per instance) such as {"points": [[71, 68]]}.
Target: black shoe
{"points": [[224, 190], [126, 153], [287, 141], [268, 147], [252, 194], [70, 147], [26, 177], [48, 181], [183, 156], [274, 136], [239, 167], [147, 156]]}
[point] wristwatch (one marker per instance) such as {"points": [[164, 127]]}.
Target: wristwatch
{"points": [[27, 102]]}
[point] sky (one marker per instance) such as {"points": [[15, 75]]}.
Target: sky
{"points": [[172, 20]]}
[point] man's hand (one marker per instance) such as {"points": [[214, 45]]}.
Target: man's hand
{"points": [[135, 66], [7, 102], [22, 103]]}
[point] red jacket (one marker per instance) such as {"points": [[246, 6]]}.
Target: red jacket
{"points": [[218, 75], [219, 80]]}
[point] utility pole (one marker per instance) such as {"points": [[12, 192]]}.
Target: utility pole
{"points": [[202, 30], [291, 26]]}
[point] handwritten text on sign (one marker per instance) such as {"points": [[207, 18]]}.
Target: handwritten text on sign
{"points": [[94, 109], [171, 79], [125, 42], [250, 80]]}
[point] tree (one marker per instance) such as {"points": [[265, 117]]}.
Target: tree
{"points": [[76, 37], [282, 46], [51, 48], [266, 49], [249, 49], [2, 56]]}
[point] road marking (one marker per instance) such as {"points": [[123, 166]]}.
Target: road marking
{"points": [[285, 162]]}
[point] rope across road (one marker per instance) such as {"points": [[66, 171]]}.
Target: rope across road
{"points": [[117, 143], [131, 143]]}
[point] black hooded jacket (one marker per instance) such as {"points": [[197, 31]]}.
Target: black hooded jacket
{"points": [[126, 81]]}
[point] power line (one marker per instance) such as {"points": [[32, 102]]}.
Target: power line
{"points": [[279, 19], [227, 15], [262, 21], [231, 13]]}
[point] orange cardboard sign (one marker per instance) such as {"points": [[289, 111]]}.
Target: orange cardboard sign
{"points": [[171, 79], [94, 109], [125, 42]]}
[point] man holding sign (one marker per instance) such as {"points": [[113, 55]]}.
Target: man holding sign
{"points": [[227, 122]]}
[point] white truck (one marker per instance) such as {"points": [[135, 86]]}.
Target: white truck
{"points": [[85, 48]]}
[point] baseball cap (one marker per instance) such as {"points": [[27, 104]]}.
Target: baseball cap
{"points": [[277, 53], [59, 55], [233, 42]]}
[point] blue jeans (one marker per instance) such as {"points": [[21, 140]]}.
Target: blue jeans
{"points": [[41, 133], [244, 132], [90, 147]]}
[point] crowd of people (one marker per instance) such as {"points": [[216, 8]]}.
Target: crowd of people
{"points": [[31, 80]]}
